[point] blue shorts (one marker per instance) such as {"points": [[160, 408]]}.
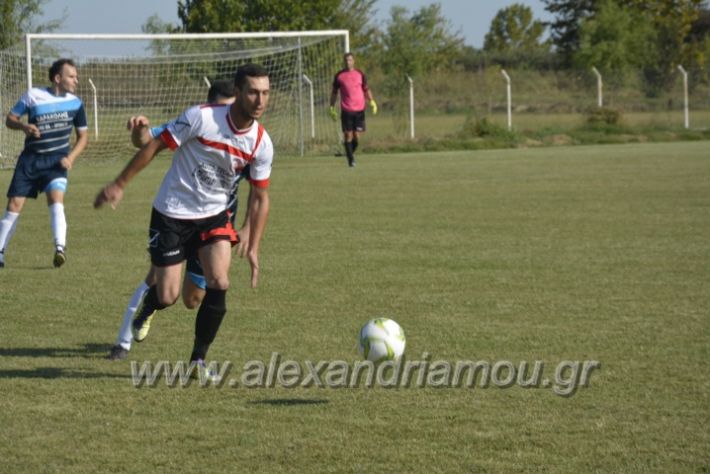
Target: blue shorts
{"points": [[195, 272], [35, 173]]}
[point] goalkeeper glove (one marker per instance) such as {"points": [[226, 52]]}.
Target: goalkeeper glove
{"points": [[373, 104], [333, 113]]}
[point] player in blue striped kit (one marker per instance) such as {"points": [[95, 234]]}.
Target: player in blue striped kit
{"points": [[52, 112]]}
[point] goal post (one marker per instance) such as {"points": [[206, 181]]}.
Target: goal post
{"points": [[159, 75]]}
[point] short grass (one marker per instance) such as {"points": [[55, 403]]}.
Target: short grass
{"points": [[552, 254], [382, 127], [451, 132], [388, 133]]}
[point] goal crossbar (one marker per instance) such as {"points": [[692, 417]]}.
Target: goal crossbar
{"points": [[175, 36]]}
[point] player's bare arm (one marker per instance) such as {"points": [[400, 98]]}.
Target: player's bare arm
{"points": [[258, 214], [243, 232], [82, 139], [333, 98], [139, 126], [331, 110], [13, 122], [112, 193]]}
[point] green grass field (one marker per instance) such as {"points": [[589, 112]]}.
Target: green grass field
{"points": [[552, 254]]}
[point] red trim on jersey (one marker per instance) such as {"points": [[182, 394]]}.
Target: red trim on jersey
{"points": [[259, 183], [168, 139], [234, 128], [224, 147], [231, 124], [259, 134]]}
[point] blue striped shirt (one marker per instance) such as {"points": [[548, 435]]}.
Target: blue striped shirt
{"points": [[55, 116]]}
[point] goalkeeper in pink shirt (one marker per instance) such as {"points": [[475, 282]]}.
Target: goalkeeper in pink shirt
{"points": [[354, 95]]}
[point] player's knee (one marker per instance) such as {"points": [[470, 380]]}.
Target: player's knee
{"points": [[15, 205], [168, 297], [168, 301], [192, 300], [218, 283]]}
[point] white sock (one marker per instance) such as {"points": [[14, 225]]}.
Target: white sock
{"points": [[59, 223], [8, 224], [125, 336]]}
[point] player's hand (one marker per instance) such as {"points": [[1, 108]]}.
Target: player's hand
{"points": [[373, 104], [31, 130], [254, 263], [333, 113], [66, 163], [137, 121], [243, 244], [112, 193]]}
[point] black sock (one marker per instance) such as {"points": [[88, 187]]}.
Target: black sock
{"points": [[355, 144], [209, 318], [150, 303], [349, 150]]}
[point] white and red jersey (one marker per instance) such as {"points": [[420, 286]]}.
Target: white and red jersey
{"points": [[210, 153]]}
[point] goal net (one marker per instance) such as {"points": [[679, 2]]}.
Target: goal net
{"points": [[161, 75]]}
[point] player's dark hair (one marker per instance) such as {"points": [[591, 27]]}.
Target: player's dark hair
{"points": [[222, 89], [56, 67], [348, 55], [248, 70]]}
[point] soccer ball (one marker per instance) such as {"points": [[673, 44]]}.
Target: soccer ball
{"points": [[381, 339]]}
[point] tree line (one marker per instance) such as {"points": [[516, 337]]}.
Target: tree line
{"points": [[615, 36]]}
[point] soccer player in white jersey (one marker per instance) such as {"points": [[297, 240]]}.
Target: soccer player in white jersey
{"points": [[43, 164], [212, 144], [194, 284]]}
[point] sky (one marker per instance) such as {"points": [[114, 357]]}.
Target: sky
{"points": [[472, 18]]}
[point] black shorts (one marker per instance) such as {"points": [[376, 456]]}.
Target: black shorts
{"points": [[171, 241], [352, 121]]}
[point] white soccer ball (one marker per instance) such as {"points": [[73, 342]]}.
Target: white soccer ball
{"points": [[381, 339]]}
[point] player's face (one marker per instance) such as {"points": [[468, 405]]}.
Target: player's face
{"points": [[252, 99], [350, 62], [68, 79]]}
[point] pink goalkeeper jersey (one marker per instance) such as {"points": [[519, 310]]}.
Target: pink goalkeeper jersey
{"points": [[210, 153], [352, 86]]}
